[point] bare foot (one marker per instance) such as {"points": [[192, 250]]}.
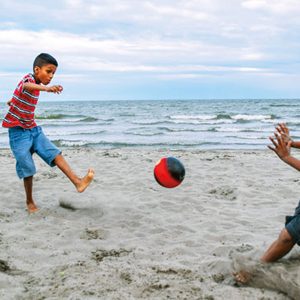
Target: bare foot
{"points": [[242, 277], [85, 181], [32, 208]]}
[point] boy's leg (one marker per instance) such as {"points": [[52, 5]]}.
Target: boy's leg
{"points": [[28, 190], [279, 248], [21, 145], [80, 183], [52, 156]]}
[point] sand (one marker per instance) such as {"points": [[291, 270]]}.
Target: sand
{"points": [[126, 237]]}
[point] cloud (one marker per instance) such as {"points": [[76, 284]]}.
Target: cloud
{"points": [[252, 55], [274, 6], [134, 40], [82, 53]]}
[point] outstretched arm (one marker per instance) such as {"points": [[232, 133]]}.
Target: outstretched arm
{"points": [[29, 86], [283, 130], [283, 150]]}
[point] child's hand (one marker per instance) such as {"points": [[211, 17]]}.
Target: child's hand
{"points": [[283, 130], [281, 148], [9, 102], [57, 89]]}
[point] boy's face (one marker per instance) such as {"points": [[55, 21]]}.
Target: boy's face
{"points": [[44, 74]]}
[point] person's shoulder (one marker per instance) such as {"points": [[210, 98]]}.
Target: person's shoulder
{"points": [[28, 78]]}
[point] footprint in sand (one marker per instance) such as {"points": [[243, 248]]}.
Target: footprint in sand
{"points": [[100, 254], [94, 234]]}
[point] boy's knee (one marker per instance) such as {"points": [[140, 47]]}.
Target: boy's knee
{"points": [[25, 166], [23, 156], [285, 237]]}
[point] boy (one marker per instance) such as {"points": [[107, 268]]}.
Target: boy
{"points": [[290, 234], [26, 138]]}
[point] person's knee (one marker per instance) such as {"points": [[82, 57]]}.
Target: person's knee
{"points": [[25, 166], [285, 237]]}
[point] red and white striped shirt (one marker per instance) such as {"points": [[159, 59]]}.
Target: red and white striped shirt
{"points": [[21, 110]]}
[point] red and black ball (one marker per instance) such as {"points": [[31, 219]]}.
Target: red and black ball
{"points": [[169, 172]]}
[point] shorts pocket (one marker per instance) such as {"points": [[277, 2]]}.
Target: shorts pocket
{"points": [[18, 138]]}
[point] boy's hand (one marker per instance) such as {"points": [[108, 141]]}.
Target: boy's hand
{"points": [[57, 89], [281, 148], [9, 102], [283, 130]]}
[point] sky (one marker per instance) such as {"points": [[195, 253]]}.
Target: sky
{"points": [[155, 49]]}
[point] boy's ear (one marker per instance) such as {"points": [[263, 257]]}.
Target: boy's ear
{"points": [[36, 69]]}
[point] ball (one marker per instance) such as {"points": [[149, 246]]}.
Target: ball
{"points": [[169, 172]]}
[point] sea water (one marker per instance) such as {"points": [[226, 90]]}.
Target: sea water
{"points": [[166, 124]]}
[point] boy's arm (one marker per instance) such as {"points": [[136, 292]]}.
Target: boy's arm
{"points": [[283, 150], [295, 144], [293, 162], [29, 86]]}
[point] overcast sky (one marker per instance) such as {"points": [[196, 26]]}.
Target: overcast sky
{"points": [[156, 49]]}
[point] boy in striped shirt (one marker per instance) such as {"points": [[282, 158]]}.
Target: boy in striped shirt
{"points": [[26, 138]]}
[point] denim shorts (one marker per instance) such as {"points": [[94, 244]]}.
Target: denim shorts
{"points": [[25, 142], [292, 225]]}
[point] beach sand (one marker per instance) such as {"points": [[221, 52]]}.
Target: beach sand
{"points": [[126, 237]]}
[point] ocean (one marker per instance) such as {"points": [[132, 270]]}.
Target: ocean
{"points": [[165, 124]]}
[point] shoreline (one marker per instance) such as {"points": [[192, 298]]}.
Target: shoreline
{"points": [[126, 237], [154, 149]]}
